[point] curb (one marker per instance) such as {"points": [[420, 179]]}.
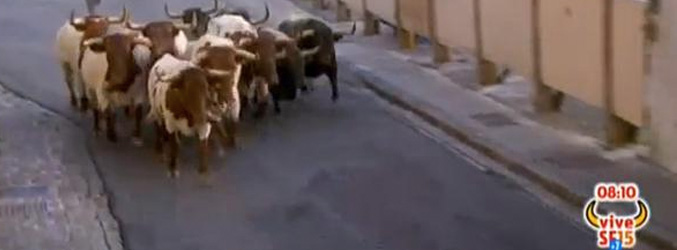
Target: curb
{"points": [[371, 81], [96, 189]]}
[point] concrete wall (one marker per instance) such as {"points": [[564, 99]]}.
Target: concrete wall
{"points": [[662, 91]]}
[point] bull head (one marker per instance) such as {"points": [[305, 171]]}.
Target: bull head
{"points": [[79, 23], [139, 27], [640, 219], [173, 15]]}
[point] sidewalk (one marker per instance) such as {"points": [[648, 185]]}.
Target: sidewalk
{"points": [[566, 163], [50, 196]]}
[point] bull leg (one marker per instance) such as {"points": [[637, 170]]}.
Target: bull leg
{"points": [[84, 104], [275, 92], [68, 77], [231, 131], [110, 126], [262, 94], [160, 138], [333, 78], [203, 152], [128, 111], [138, 120], [173, 155], [97, 118], [221, 134]]}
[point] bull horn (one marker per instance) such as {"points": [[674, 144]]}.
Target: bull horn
{"points": [[642, 216], [133, 26], [72, 20], [183, 26], [171, 14], [246, 54], [91, 41], [123, 18], [591, 214], [265, 18], [310, 52], [219, 73], [216, 8]]}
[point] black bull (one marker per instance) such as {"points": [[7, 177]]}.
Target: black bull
{"points": [[309, 33]]}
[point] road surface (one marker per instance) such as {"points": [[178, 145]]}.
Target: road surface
{"points": [[349, 175]]}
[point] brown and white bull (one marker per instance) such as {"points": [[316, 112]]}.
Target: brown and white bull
{"points": [[219, 54], [188, 99], [69, 40], [112, 69]]}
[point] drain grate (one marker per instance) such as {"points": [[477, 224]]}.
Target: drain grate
{"points": [[26, 209], [23, 201], [23, 192], [493, 120]]}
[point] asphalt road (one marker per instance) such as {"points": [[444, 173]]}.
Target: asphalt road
{"points": [[320, 176]]}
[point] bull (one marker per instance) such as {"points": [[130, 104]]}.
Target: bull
{"points": [[69, 40], [112, 72], [312, 33]]}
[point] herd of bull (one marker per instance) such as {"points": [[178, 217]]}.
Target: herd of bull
{"points": [[190, 74]]}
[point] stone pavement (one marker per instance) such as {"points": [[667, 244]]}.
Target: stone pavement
{"points": [[50, 198], [566, 163]]}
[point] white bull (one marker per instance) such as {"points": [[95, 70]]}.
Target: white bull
{"points": [[68, 42], [113, 70]]}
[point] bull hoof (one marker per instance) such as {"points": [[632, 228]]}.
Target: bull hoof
{"points": [[137, 141], [205, 179], [304, 89], [173, 174], [334, 98]]}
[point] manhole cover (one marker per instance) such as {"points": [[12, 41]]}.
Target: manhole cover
{"points": [[493, 120]]}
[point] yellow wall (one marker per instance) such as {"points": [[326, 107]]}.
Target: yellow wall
{"points": [[455, 23], [385, 9], [415, 16], [628, 90], [572, 51], [507, 33]]}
